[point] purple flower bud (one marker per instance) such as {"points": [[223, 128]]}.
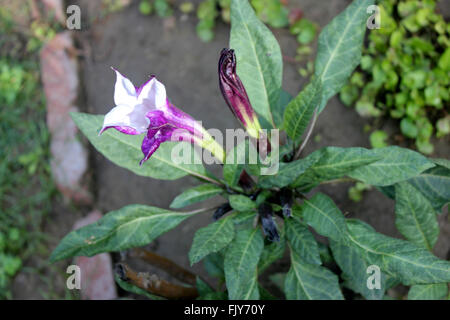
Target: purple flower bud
{"points": [[286, 200], [221, 211], [268, 224], [235, 95]]}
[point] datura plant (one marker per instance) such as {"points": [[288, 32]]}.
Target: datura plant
{"points": [[270, 214]]}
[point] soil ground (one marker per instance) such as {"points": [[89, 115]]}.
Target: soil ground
{"points": [[139, 45]]}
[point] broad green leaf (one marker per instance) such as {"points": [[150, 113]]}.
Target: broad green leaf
{"points": [[214, 296], [259, 60], [272, 252], [399, 258], [133, 289], [287, 173], [125, 151], [334, 163], [434, 184], [396, 164], [436, 291], [129, 227], [339, 48], [241, 203], [280, 107], [415, 217], [323, 215], [241, 261], [301, 109], [196, 194], [354, 269], [306, 281], [212, 238], [302, 241]]}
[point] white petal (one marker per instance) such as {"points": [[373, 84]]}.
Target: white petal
{"points": [[124, 91], [124, 116], [153, 94]]}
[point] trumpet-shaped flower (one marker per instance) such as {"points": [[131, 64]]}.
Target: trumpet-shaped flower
{"points": [[146, 109], [235, 95]]}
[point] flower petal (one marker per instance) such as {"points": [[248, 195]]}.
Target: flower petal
{"points": [[129, 120], [152, 94], [124, 91]]}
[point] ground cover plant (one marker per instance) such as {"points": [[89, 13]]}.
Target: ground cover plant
{"points": [[271, 205], [404, 73]]}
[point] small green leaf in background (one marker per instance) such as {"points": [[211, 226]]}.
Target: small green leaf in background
{"points": [[196, 194], [211, 239], [163, 8], [396, 164], [213, 264], [301, 109], [129, 227], [306, 281], [259, 60], [302, 241], [435, 291], [340, 46], [241, 261], [241, 203], [415, 217], [323, 215], [401, 259], [305, 30], [378, 139]]}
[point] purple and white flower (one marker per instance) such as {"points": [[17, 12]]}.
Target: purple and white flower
{"points": [[146, 109]]}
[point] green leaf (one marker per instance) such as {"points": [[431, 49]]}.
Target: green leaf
{"points": [[339, 48], [133, 289], [132, 226], [301, 109], [306, 281], [259, 60], [434, 184], [287, 173], [241, 261], [235, 162], [125, 151], [436, 291], [334, 163], [196, 194], [398, 258], [354, 269], [302, 241], [213, 264], [415, 217], [396, 164], [241, 203], [323, 215], [211, 239], [272, 252]]}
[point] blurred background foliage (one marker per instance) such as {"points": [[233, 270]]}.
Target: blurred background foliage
{"points": [[26, 186], [404, 73]]}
